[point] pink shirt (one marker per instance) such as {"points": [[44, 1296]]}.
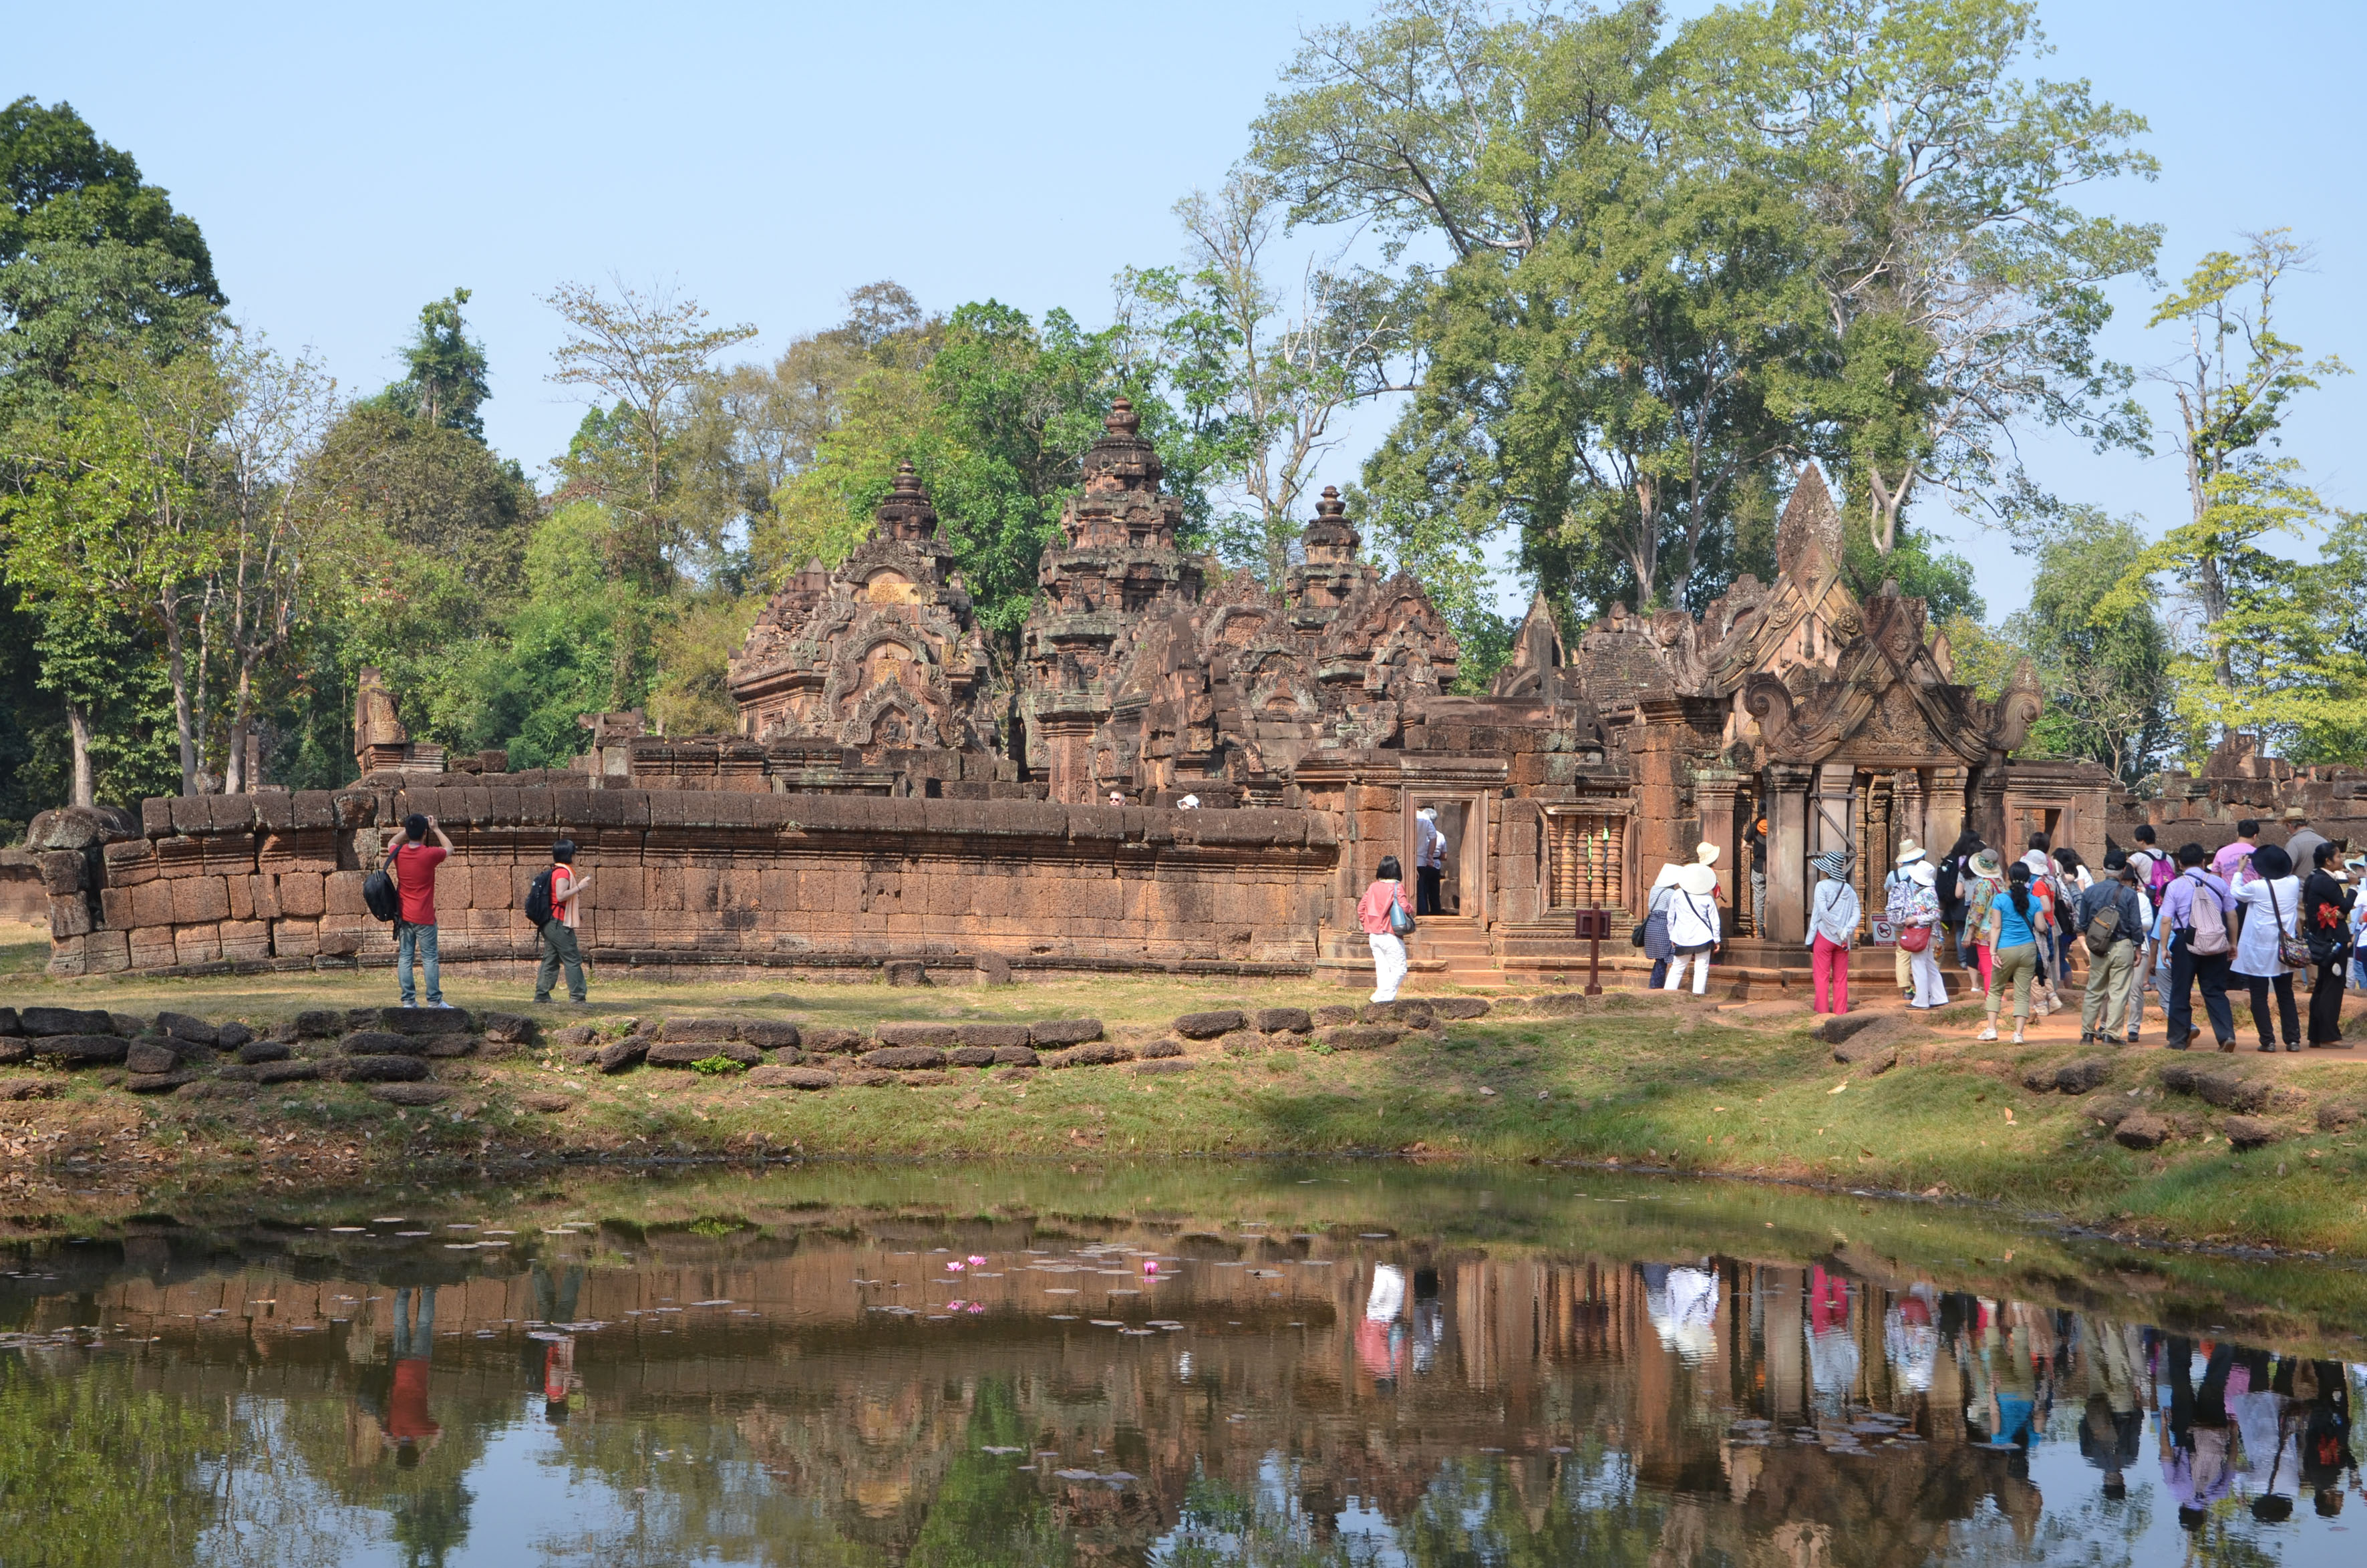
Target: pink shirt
{"points": [[2231, 856], [1373, 909]]}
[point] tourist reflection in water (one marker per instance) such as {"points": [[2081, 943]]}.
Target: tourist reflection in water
{"points": [[399, 1401]]}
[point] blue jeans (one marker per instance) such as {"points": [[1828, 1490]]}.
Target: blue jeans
{"points": [[420, 939]]}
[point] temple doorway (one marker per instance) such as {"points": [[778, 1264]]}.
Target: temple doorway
{"points": [[1462, 822]]}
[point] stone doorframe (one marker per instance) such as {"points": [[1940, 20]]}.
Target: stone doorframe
{"points": [[1470, 855]]}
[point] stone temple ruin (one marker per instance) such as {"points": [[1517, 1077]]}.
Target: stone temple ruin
{"points": [[899, 791]]}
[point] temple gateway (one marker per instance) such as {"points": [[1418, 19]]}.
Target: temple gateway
{"points": [[1172, 773]]}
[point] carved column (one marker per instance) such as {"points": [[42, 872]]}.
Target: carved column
{"points": [[1713, 792], [1943, 813], [1787, 852], [1907, 810]]}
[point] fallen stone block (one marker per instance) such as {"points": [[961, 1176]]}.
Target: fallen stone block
{"points": [[319, 1023], [575, 1034], [904, 971], [1334, 1016], [232, 1035], [131, 1025], [1459, 1006], [373, 1069], [994, 1036], [1404, 1013], [506, 1028], [941, 1037], [149, 1056], [773, 1076], [2334, 1117], [1874, 1058], [422, 1021], [833, 1041], [770, 1034], [1100, 1054], [678, 1031], [2232, 1091], [994, 969], [2249, 1131], [263, 1050], [82, 1050], [970, 1056], [1363, 1036], [381, 1042], [410, 1093], [9, 1023], [1168, 1064], [160, 1083], [1209, 1024], [291, 1071], [2142, 1130], [544, 1103], [1840, 1027], [867, 1078], [2079, 1078], [904, 1058], [1063, 1031], [1283, 1020], [1161, 1047], [1014, 1056], [446, 1046], [683, 1052], [54, 1022], [579, 1055], [26, 1088], [190, 1028], [2179, 1077]]}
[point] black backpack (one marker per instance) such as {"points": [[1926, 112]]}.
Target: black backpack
{"points": [[379, 893], [538, 902]]}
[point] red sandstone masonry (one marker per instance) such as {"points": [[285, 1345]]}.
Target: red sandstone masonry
{"points": [[844, 879]]}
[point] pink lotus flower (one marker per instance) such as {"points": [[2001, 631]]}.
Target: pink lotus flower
{"points": [[978, 1306], [976, 1261], [1150, 1266], [952, 1306], [955, 1265]]}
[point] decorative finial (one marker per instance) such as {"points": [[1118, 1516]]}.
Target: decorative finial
{"points": [[1123, 420], [1330, 506], [908, 479]]}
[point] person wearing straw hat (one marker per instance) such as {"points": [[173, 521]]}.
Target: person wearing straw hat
{"points": [[1693, 925], [1896, 889], [1922, 913], [1656, 923], [1832, 928], [1984, 884]]}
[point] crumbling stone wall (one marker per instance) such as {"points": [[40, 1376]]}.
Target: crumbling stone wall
{"points": [[683, 877]]}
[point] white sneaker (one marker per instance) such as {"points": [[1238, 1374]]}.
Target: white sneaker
{"points": [[1989, 1032]]}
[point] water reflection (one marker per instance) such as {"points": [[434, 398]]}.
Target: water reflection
{"points": [[857, 1387]]}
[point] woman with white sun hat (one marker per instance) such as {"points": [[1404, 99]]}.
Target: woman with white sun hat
{"points": [[1897, 890], [1693, 925], [1922, 915]]}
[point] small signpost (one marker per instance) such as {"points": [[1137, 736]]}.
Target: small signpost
{"points": [[1593, 925]]}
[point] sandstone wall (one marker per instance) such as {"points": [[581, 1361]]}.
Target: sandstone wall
{"points": [[683, 877]]}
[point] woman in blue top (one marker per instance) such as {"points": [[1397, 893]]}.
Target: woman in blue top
{"points": [[2017, 924]]}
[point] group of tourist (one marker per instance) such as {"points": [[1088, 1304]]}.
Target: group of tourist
{"points": [[552, 905]]}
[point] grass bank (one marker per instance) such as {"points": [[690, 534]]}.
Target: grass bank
{"points": [[1645, 1081]]}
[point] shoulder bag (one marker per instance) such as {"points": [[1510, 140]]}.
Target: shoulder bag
{"points": [[2293, 951]]}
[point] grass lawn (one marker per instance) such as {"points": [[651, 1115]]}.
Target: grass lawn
{"points": [[1641, 1081]]}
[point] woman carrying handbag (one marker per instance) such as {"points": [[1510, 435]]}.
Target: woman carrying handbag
{"points": [[2271, 946], [1386, 915]]}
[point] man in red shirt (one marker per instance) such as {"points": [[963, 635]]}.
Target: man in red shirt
{"points": [[412, 866], [560, 950]]}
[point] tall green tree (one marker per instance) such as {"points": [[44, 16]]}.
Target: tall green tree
{"points": [[444, 380]]}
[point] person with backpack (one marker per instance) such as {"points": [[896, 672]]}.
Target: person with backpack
{"points": [[1386, 915], [2112, 920], [412, 865], [2271, 945], [1981, 884], [2193, 923], [551, 904], [1947, 885], [1897, 893]]}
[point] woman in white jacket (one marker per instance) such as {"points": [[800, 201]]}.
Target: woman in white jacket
{"points": [[1693, 925], [2270, 901]]}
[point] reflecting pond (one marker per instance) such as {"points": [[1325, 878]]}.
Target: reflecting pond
{"points": [[1255, 1363]]}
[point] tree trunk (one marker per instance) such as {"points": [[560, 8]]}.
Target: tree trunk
{"points": [[184, 720], [85, 781], [235, 780]]}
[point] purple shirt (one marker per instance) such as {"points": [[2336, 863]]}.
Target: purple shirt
{"points": [[2230, 855], [2177, 898]]}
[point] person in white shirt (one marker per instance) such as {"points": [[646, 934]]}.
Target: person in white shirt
{"points": [[2271, 901], [1429, 861], [1897, 893], [1695, 928]]}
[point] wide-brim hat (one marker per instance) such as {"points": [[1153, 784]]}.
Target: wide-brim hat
{"points": [[2270, 860], [1667, 878], [1909, 852], [1705, 854], [1697, 879], [1924, 873], [1987, 864], [1832, 863]]}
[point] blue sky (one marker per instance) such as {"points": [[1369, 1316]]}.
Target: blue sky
{"points": [[348, 166]]}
